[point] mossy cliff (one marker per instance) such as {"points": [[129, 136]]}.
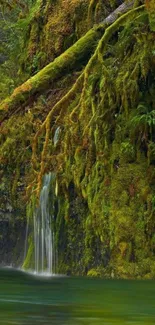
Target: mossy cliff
{"points": [[89, 117]]}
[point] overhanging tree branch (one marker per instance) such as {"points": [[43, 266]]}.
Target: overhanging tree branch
{"points": [[70, 60]]}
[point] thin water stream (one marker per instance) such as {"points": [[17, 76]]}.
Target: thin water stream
{"points": [[57, 300], [43, 236]]}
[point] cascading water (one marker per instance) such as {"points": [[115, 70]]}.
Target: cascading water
{"points": [[43, 235], [40, 254]]}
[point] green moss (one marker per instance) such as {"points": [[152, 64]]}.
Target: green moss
{"points": [[150, 7], [93, 273], [29, 260]]}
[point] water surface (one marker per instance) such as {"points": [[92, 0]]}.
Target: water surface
{"points": [[29, 299]]}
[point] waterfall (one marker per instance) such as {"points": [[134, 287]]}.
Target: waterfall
{"points": [[56, 136], [26, 238], [43, 235]]}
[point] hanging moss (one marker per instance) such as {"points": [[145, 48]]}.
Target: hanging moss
{"points": [[151, 11]]}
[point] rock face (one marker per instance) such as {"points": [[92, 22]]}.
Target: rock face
{"points": [[12, 229], [103, 156], [11, 239]]}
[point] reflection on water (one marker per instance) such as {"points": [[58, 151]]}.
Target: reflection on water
{"points": [[29, 299]]}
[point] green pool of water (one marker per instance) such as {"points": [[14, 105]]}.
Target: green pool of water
{"points": [[29, 299]]}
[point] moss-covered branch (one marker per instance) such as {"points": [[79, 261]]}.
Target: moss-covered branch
{"points": [[73, 58]]}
